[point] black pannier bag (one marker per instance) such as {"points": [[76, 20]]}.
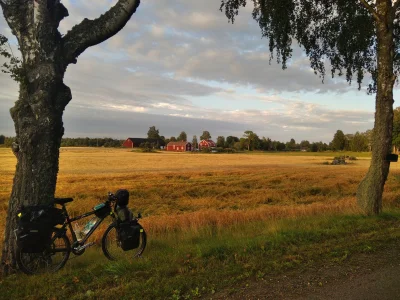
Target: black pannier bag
{"points": [[35, 226], [122, 197], [129, 235], [129, 229]]}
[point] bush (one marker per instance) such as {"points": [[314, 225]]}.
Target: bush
{"points": [[230, 150], [148, 150], [339, 160]]}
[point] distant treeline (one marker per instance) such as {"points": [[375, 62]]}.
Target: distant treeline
{"points": [[91, 142], [73, 142], [6, 141]]}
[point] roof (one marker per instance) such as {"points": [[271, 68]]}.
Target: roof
{"points": [[209, 142], [178, 143]]}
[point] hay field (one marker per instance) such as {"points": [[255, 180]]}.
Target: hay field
{"points": [[180, 191]]}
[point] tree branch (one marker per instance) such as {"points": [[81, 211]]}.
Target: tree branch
{"points": [[92, 32], [371, 10]]}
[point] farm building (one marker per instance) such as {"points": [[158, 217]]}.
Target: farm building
{"points": [[206, 144], [179, 146], [136, 142]]}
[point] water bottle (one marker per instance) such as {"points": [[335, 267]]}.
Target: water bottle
{"points": [[78, 232], [89, 225]]}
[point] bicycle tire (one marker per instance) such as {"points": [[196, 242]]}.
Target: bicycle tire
{"points": [[46, 261], [111, 246]]}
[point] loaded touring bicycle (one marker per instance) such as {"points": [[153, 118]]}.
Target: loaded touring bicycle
{"points": [[44, 246]]}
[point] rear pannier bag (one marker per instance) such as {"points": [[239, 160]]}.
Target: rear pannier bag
{"points": [[122, 197], [35, 226], [129, 235]]}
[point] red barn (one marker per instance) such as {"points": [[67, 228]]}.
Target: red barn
{"points": [[206, 144], [179, 146], [133, 142]]}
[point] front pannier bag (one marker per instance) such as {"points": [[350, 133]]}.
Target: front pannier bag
{"points": [[35, 226], [129, 235]]}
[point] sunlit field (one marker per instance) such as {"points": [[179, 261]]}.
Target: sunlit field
{"points": [[213, 220], [180, 191]]}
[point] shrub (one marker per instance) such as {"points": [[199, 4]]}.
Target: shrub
{"points": [[339, 160]]}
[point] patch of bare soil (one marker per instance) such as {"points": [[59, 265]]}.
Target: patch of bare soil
{"points": [[361, 277]]}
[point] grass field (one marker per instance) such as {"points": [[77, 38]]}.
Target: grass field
{"points": [[240, 215]]}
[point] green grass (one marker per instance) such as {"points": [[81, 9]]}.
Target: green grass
{"points": [[199, 263]]}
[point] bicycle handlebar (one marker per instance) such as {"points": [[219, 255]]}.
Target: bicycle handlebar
{"points": [[111, 197]]}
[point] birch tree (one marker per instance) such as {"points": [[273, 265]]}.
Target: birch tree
{"points": [[357, 38], [43, 96]]}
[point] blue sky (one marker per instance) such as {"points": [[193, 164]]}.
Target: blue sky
{"points": [[180, 66]]}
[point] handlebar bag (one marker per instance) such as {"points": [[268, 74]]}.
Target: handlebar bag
{"points": [[102, 210]]}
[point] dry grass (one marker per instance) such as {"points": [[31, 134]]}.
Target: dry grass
{"points": [[179, 191]]}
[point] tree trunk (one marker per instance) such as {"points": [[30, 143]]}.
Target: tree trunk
{"points": [[370, 190], [37, 114], [39, 129]]}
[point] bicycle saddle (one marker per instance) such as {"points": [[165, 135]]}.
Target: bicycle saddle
{"points": [[62, 200]]}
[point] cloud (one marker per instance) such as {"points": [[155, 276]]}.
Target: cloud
{"points": [[181, 65]]}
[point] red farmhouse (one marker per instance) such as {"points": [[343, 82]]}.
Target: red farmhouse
{"points": [[179, 146], [206, 144]]}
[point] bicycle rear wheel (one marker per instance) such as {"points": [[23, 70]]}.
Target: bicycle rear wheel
{"points": [[112, 246], [50, 260]]}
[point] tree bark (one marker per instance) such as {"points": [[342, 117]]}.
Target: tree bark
{"points": [[37, 114], [38, 137], [370, 190]]}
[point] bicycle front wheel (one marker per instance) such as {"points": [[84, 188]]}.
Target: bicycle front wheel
{"points": [[111, 245], [50, 260]]}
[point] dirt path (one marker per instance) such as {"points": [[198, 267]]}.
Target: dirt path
{"points": [[362, 277]]}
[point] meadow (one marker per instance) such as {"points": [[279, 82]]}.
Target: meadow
{"points": [[240, 215]]}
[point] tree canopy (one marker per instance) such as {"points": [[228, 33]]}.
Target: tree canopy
{"points": [[350, 37], [194, 142], [153, 133], [339, 141], [341, 32], [220, 141], [205, 136], [251, 139], [182, 137]]}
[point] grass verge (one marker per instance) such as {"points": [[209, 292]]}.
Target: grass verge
{"points": [[192, 264]]}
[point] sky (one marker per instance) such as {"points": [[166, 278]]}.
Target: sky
{"points": [[180, 65]]}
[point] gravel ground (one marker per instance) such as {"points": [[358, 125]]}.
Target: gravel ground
{"points": [[362, 277]]}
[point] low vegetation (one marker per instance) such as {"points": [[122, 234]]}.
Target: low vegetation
{"points": [[213, 221]]}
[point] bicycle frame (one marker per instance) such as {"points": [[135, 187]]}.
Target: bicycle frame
{"points": [[69, 222]]}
